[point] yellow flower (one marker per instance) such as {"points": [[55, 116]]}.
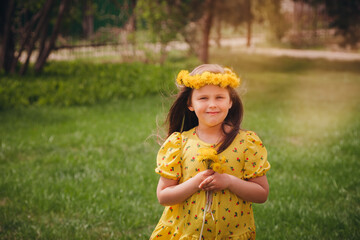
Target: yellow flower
{"points": [[216, 167], [207, 151], [209, 157], [181, 76], [229, 78]]}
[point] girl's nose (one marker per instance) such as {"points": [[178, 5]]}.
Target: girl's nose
{"points": [[212, 104]]}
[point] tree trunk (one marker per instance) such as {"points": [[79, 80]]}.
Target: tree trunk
{"points": [[42, 22], [248, 22], [206, 22], [130, 25], [27, 33], [248, 39], [8, 45], [43, 36], [163, 53], [218, 32], [88, 19], [50, 46], [130, 28], [315, 22], [301, 22]]}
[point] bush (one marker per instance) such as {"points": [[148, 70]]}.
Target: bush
{"points": [[79, 83]]}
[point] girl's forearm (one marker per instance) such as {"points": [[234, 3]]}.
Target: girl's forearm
{"points": [[178, 193], [255, 190]]}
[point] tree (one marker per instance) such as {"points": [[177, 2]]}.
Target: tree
{"points": [[271, 12], [166, 18], [236, 13], [194, 19], [158, 16], [345, 18], [47, 47], [206, 23], [26, 26]]}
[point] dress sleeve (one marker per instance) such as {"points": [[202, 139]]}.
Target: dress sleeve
{"points": [[169, 158], [256, 163]]}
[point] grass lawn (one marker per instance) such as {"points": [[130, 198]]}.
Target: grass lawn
{"points": [[86, 172]]}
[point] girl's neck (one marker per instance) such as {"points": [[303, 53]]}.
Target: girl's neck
{"points": [[212, 135]]}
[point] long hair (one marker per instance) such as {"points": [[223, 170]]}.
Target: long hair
{"points": [[180, 118]]}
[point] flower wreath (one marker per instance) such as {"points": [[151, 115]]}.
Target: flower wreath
{"points": [[229, 78]]}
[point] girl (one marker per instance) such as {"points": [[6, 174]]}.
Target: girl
{"points": [[211, 200]]}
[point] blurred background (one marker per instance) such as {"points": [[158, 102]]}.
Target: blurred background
{"points": [[85, 86], [35, 31]]}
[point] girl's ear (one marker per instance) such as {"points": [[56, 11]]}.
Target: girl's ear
{"points": [[190, 107]]}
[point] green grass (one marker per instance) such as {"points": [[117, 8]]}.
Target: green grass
{"points": [[85, 172], [78, 173]]}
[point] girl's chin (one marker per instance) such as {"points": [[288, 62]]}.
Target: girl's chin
{"points": [[211, 124]]}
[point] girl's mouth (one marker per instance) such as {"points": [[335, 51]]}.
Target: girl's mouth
{"points": [[213, 113]]}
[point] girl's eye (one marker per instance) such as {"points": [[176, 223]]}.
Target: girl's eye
{"points": [[203, 98]]}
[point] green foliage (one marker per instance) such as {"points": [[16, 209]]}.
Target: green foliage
{"points": [[233, 12], [106, 14], [275, 20], [157, 16], [166, 18], [76, 83]]}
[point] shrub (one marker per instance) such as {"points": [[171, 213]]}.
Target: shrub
{"points": [[79, 83]]}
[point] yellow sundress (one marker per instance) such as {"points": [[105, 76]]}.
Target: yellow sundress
{"points": [[232, 217]]}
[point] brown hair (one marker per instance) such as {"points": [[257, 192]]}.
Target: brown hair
{"points": [[180, 118]]}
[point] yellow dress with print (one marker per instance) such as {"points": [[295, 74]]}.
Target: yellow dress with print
{"points": [[230, 216]]}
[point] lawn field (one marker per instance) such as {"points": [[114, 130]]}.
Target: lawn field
{"points": [[86, 171]]}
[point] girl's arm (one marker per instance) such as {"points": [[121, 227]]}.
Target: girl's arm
{"points": [[254, 190], [170, 192]]}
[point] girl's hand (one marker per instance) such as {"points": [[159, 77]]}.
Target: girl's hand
{"points": [[171, 192], [201, 176], [215, 182]]}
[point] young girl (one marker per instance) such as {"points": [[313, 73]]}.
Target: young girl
{"points": [[211, 200]]}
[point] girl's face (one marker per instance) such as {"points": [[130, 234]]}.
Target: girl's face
{"points": [[211, 105]]}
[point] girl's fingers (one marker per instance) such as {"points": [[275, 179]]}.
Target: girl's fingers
{"points": [[203, 184], [206, 182], [209, 172], [210, 188]]}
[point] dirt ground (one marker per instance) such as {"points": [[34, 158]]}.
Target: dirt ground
{"points": [[235, 44], [238, 44], [330, 55]]}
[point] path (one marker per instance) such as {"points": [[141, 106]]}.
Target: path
{"points": [[235, 44], [238, 44], [342, 56]]}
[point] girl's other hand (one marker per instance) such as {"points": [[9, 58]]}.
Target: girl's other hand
{"points": [[215, 182]]}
